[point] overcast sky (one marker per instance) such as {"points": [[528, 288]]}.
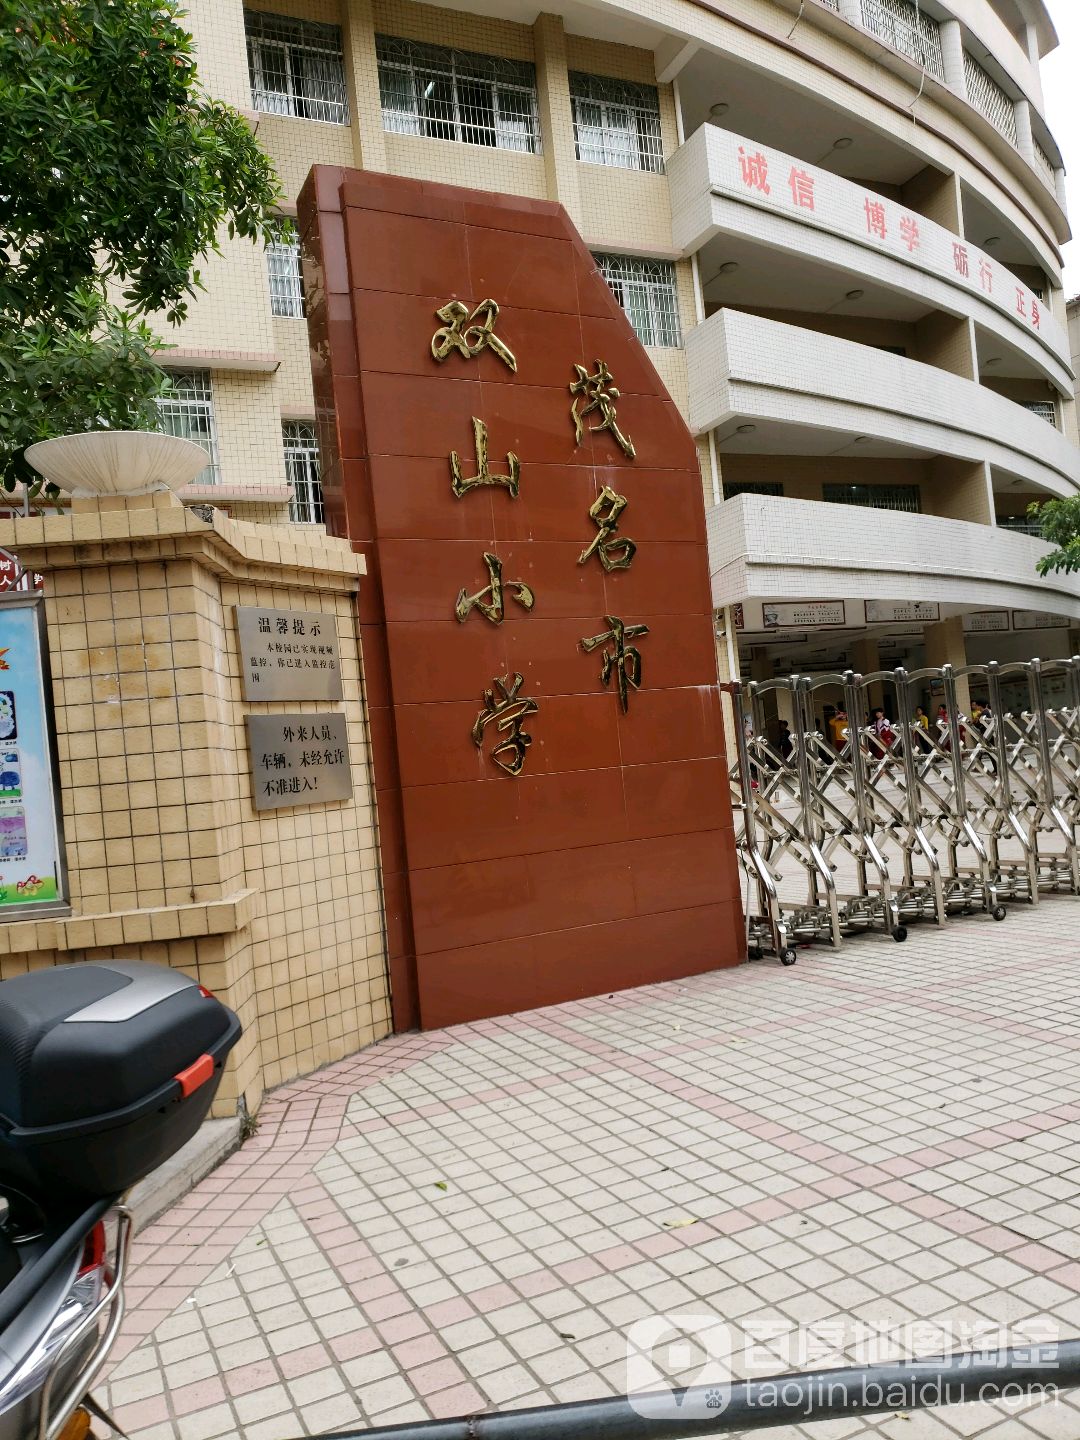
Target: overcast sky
{"points": [[1061, 83]]}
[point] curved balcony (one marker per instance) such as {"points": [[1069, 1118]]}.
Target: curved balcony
{"points": [[803, 393], [764, 547], [725, 185]]}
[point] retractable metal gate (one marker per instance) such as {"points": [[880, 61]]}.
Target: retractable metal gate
{"points": [[899, 815]]}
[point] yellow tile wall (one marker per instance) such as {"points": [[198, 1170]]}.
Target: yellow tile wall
{"points": [[476, 166], [297, 144], [247, 413], [292, 383], [438, 26], [162, 835]]}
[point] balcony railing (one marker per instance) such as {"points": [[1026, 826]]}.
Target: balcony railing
{"points": [[1043, 162], [1020, 525], [904, 26], [989, 98]]}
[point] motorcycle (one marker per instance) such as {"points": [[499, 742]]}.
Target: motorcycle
{"points": [[106, 1069]]}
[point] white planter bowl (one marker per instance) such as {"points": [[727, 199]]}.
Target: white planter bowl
{"points": [[117, 462]]}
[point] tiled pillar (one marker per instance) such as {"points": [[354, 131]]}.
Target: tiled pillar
{"points": [[168, 860], [952, 56], [852, 10], [945, 645], [556, 116], [1025, 140], [865, 659], [960, 490], [362, 80]]}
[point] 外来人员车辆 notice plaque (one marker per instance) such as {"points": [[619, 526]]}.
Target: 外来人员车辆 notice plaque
{"points": [[298, 759], [288, 654]]}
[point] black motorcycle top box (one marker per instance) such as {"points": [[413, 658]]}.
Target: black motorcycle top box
{"points": [[106, 1069]]}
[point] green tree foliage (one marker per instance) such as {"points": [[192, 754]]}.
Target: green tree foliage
{"points": [[118, 174], [1060, 521]]}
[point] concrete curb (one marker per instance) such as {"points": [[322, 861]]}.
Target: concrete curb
{"points": [[170, 1182]]}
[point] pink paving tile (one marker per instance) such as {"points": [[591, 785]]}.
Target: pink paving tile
{"points": [[771, 1208], [836, 1187], [449, 1312], [413, 1353], [573, 1272], [817, 1153], [304, 1361], [901, 1165], [1068, 1275], [199, 1396], [729, 1223], [898, 1190], [400, 1328], [385, 1307], [929, 1206], [962, 1222], [996, 1237], [354, 1343], [1040, 1258], [662, 1243], [492, 1297], [459, 1400], [141, 1414], [538, 1282]]}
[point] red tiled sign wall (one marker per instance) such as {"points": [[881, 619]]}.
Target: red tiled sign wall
{"points": [[610, 860]]}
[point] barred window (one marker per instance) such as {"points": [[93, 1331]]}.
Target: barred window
{"points": [[186, 409], [302, 471], [616, 122], [987, 95], [751, 487], [1045, 409], [1021, 524], [297, 67], [875, 497], [286, 281], [457, 95], [908, 29], [646, 291]]}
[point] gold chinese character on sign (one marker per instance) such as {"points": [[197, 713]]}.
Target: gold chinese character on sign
{"points": [[508, 709], [613, 553], [492, 607], [600, 393], [622, 659], [483, 475], [469, 334]]}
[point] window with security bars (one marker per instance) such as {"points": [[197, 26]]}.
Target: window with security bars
{"points": [[616, 122], [286, 280], [1045, 409], [457, 95], [302, 472], [297, 67], [875, 497], [908, 29], [646, 291], [186, 409], [989, 97], [751, 487], [1020, 524]]}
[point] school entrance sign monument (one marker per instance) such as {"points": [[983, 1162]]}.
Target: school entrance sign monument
{"points": [[537, 630]]}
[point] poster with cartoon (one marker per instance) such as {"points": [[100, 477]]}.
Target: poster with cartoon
{"points": [[31, 872]]}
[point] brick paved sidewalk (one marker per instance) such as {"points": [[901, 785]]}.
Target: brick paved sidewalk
{"points": [[476, 1216]]}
